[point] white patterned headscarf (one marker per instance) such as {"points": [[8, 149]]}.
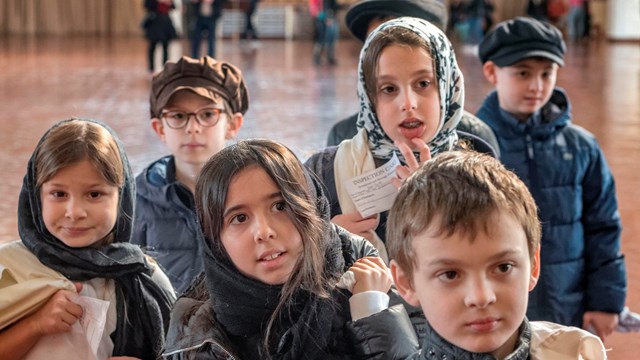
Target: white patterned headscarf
{"points": [[450, 87]]}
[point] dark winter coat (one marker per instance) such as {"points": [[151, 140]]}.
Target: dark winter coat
{"points": [[568, 176], [157, 25], [389, 334], [165, 223]]}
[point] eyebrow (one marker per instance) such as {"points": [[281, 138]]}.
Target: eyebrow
{"points": [[498, 256], [417, 73], [60, 185], [274, 195]]}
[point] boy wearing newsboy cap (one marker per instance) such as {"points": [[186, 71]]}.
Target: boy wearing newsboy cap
{"points": [[583, 277], [196, 105]]}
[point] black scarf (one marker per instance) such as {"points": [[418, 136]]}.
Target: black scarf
{"points": [[146, 305], [243, 305]]}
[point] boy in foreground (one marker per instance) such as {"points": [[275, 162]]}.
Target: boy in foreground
{"points": [[464, 239]]}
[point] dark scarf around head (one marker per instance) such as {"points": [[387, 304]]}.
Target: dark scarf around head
{"points": [[142, 306], [243, 305]]}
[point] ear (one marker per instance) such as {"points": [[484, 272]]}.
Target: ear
{"points": [[404, 284], [535, 270], [489, 70], [234, 123], [158, 127]]}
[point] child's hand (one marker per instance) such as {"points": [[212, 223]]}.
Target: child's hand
{"points": [[371, 273], [404, 171], [58, 314], [356, 224], [603, 323]]}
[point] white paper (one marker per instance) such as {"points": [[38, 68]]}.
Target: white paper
{"points": [[82, 341], [373, 192], [93, 320]]}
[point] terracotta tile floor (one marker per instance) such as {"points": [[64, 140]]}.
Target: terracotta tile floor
{"points": [[43, 80]]}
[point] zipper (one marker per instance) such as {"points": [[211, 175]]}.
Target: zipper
{"points": [[531, 162]]}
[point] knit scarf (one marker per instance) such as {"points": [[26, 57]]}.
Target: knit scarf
{"points": [[142, 306], [450, 87], [243, 305]]}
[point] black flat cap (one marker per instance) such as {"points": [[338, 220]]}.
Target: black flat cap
{"points": [[362, 12], [521, 38]]}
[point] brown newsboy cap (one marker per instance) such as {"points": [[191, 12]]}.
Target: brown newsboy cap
{"points": [[206, 77]]}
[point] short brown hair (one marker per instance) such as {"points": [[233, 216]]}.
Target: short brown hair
{"points": [[457, 191], [393, 35]]}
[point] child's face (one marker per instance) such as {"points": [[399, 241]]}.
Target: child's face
{"points": [[524, 87], [78, 206], [194, 144], [407, 100], [473, 293], [258, 234]]}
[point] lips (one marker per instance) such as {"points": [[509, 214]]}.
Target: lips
{"points": [[75, 231], [270, 255], [484, 325], [411, 128]]}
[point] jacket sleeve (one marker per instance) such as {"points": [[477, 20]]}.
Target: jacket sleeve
{"points": [[606, 273], [384, 335]]}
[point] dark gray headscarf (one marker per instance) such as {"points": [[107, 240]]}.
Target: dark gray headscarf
{"points": [[145, 304]]}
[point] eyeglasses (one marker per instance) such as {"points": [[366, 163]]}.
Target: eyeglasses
{"points": [[206, 117]]}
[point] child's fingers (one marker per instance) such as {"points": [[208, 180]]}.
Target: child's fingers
{"points": [[78, 286], [405, 150], [370, 278], [375, 261], [425, 152], [355, 223]]}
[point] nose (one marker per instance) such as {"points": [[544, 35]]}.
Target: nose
{"points": [[264, 230], [192, 126], [409, 101], [75, 210], [535, 84], [480, 293]]}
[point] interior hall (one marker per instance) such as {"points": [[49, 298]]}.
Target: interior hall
{"points": [[88, 58]]}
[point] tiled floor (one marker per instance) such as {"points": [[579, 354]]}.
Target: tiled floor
{"points": [[43, 80]]}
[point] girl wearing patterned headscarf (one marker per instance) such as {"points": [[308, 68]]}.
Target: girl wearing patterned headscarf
{"points": [[411, 96], [74, 218]]}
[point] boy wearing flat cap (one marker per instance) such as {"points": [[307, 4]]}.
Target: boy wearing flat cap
{"points": [[196, 105], [363, 17], [583, 277]]}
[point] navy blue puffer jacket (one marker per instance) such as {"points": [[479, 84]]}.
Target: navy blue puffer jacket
{"points": [[568, 176], [165, 223]]}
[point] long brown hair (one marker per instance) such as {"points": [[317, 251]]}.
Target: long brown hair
{"points": [[281, 164]]}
